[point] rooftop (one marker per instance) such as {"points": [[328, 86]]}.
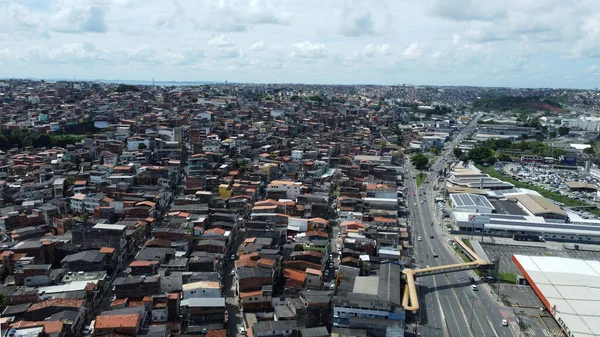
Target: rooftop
{"points": [[568, 289]]}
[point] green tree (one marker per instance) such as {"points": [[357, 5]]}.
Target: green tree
{"points": [[141, 146], [480, 153], [435, 150], [457, 152], [490, 160], [419, 160], [589, 150], [563, 130], [503, 157], [557, 153]]}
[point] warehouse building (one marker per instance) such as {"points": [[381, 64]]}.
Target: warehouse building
{"points": [[568, 288]]}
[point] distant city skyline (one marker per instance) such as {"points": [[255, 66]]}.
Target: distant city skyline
{"points": [[496, 43]]}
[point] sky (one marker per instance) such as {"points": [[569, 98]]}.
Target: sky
{"points": [[515, 43]]}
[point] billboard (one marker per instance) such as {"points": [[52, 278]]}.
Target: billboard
{"points": [[478, 218], [570, 160]]}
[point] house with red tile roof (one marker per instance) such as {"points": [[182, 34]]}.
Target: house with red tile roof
{"points": [[128, 325]]}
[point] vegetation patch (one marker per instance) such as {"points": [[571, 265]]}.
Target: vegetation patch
{"points": [[508, 278], [421, 178], [506, 103]]}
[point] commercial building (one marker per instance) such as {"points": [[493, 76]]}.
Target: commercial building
{"points": [[567, 288]]}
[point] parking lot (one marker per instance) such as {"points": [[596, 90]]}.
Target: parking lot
{"points": [[505, 253], [557, 180], [520, 296]]}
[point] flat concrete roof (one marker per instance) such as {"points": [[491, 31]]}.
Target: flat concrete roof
{"points": [[568, 288]]}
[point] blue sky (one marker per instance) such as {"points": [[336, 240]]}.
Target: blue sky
{"points": [[518, 43]]}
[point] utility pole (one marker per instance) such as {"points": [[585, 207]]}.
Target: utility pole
{"points": [[497, 277]]}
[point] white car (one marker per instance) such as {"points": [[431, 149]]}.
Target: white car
{"points": [[419, 238], [504, 322]]}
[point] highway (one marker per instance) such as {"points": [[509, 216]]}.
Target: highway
{"points": [[449, 307]]}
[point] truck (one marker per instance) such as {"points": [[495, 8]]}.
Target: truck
{"points": [[528, 237]]}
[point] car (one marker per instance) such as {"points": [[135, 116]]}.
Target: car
{"points": [[504, 322], [472, 280], [431, 236], [422, 201], [232, 273], [419, 238], [435, 255], [474, 287]]}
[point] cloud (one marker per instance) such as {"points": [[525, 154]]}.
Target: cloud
{"points": [[354, 19], [220, 41], [235, 16], [95, 21], [356, 25], [258, 46], [372, 50], [17, 18], [69, 53], [455, 39], [589, 44], [483, 32], [262, 12], [71, 19], [222, 47], [413, 51], [309, 50], [467, 10]]}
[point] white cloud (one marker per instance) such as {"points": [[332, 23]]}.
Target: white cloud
{"points": [[258, 46], [371, 50], [480, 38], [438, 55], [455, 39], [413, 51], [308, 49], [220, 41], [354, 19], [69, 53], [467, 10], [72, 19], [589, 44], [222, 47]]}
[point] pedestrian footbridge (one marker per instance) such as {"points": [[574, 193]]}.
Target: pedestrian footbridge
{"points": [[410, 301]]}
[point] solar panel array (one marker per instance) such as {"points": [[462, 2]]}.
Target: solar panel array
{"points": [[470, 200]]}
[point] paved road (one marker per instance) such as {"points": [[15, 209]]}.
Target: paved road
{"points": [[449, 306]]}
